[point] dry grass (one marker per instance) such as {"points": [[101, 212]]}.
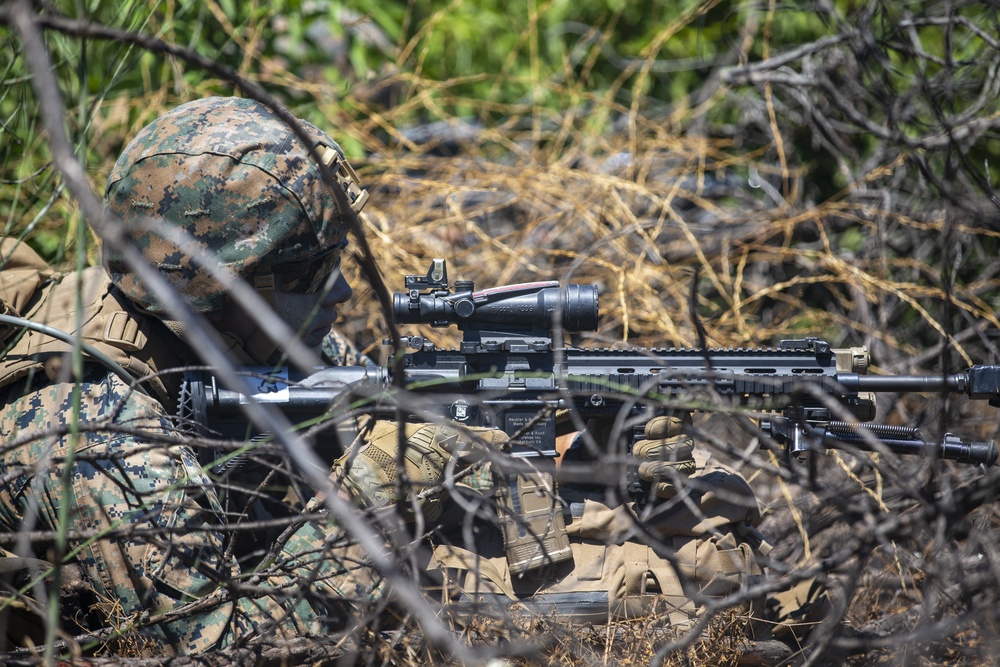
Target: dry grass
{"points": [[697, 234]]}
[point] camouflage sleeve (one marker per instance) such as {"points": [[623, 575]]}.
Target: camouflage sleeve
{"points": [[338, 351], [149, 531]]}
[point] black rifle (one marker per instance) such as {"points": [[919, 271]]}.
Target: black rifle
{"points": [[508, 372]]}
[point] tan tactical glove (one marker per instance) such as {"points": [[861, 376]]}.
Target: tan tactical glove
{"points": [[664, 453], [371, 475]]}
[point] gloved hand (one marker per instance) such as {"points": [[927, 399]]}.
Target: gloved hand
{"points": [[663, 453], [371, 475]]}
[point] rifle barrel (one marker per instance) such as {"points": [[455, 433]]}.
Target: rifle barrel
{"points": [[903, 383], [979, 382]]}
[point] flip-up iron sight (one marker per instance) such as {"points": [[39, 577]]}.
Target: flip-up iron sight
{"points": [[496, 318]]}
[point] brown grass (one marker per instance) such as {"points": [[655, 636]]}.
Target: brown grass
{"points": [[720, 230]]}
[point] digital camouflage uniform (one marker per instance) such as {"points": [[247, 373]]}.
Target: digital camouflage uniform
{"points": [[151, 530], [123, 482], [129, 473]]}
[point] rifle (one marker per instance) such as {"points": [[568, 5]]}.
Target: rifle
{"points": [[510, 372]]}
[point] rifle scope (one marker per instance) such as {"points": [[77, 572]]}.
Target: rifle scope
{"points": [[522, 306]]}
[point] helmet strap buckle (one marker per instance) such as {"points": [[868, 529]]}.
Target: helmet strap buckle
{"points": [[265, 286], [259, 346]]}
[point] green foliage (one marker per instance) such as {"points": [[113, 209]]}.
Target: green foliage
{"points": [[561, 82], [845, 190]]}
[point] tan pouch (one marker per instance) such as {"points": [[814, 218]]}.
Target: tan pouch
{"points": [[22, 273], [606, 582], [84, 304]]}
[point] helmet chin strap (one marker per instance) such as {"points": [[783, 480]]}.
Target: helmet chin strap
{"points": [[234, 345], [259, 346], [254, 350]]}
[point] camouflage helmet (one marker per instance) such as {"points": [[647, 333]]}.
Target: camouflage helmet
{"points": [[240, 184]]}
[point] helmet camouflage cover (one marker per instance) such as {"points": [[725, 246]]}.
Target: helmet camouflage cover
{"points": [[240, 185]]}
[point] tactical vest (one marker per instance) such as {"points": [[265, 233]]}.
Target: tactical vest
{"points": [[603, 581], [713, 549], [82, 303]]}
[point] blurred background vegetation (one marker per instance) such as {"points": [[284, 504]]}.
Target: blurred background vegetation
{"points": [[820, 167], [729, 172], [764, 170]]}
